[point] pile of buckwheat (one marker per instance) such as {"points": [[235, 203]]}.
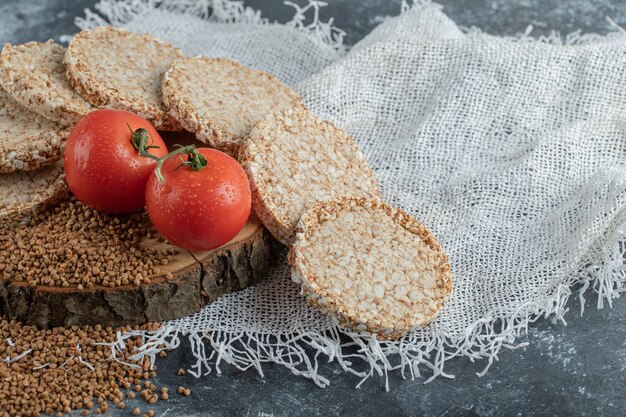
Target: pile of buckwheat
{"points": [[64, 369], [75, 245]]}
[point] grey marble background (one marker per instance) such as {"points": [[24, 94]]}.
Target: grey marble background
{"points": [[24, 20], [578, 369]]}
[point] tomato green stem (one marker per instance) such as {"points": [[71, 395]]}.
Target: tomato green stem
{"points": [[190, 150], [195, 160], [142, 140]]}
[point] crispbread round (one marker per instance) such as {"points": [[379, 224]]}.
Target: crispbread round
{"points": [[295, 160], [116, 68], [34, 75], [220, 100], [23, 193], [27, 140], [372, 266]]}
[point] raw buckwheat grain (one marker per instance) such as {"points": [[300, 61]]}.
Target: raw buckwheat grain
{"points": [[64, 369], [75, 245]]}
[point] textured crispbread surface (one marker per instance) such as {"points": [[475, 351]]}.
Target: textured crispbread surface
{"points": [[220, 100], [34, 75], [27, 140], [295, 160], [374, 267], [116, 68], [23, 193]]}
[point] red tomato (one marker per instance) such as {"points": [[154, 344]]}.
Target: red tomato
{"points": [[199, 209], [102, 166]]}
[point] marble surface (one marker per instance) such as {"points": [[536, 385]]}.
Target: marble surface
{"points": [[578, 369]]}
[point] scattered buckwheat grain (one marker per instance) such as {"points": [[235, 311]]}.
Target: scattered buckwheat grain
{"points": [[74, 245], [62, 369]]}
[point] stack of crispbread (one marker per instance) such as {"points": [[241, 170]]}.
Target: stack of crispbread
{"points": [[33, 94], [220, 100], [119, 69], [45, 89], [372, 266], [375, 268]]}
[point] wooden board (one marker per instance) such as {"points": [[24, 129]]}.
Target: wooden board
{"points": [[199, 278]]}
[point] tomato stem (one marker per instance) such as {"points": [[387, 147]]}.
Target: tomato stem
{"points": [[142, 141], [195, 160], [189, 150]]}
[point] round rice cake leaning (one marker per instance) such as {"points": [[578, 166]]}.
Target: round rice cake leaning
{"points": [[34, 75], [295, 160], [25, 193], [28, 141], [220, 100], [117, 68], [374, 267]]}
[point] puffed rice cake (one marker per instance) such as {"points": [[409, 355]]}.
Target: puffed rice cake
{"points": [[116, 68], [34, 75], [220, 100], [28, 141], [295, 160], [24, 193], [374, 267]]}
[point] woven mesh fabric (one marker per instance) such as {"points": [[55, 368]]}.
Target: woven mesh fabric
{"points": [[511, 151]]}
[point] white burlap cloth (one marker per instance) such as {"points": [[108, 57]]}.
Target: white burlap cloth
{"points": [[512, 151]]}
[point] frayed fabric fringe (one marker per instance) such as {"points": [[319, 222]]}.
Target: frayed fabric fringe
{"points": [[305, 19], [364, 356]]}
